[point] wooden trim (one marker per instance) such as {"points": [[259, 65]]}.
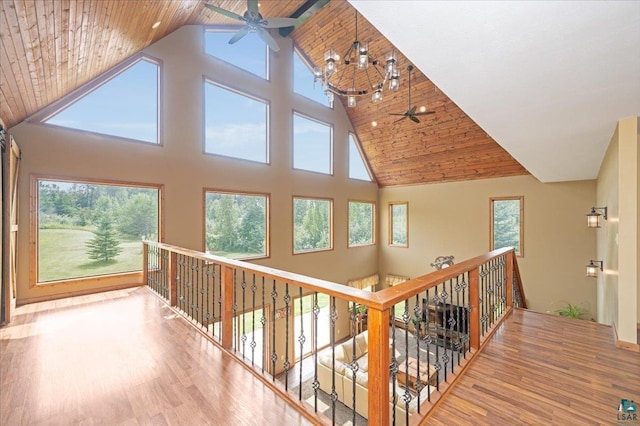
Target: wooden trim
{"points": [[373, 222], [331, 142], [518, 282], [267, 197], [634, 347], [363, 156], [293, 225], [34, 178], [390, 226], [378, 385], [71, 98], [28, 300], [227, 307], [521, 235]]}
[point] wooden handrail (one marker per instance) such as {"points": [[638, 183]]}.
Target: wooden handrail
{"points": [[476, 270]]}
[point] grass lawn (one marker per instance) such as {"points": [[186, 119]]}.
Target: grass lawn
{"points": [[62, 254]]}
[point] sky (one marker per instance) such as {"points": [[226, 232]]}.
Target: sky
{"points": [[235, 124]]}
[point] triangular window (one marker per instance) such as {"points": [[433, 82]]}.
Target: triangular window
{"points": [[303, 81], [249, 53], [357, 166], [122, 103]]}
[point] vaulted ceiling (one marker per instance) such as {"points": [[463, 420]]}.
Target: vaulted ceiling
{"points": [[51, 47]]}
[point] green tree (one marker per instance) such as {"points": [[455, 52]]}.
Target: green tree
{"points": [[104, 246], [251, 231], [138, 217], [360, 223], [506, 224], [311, 226], [224, 217]]}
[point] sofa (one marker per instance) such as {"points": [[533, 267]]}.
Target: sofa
{"points": [[344, 355]]}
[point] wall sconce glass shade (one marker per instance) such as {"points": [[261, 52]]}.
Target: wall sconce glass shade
{"points": [[592, 268], [593, 217]]}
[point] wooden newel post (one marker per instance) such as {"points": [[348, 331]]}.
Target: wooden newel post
{"points": [[474, 308], [509, 272], [227, 307], [173, 278], [378, 326], [145, 263]]}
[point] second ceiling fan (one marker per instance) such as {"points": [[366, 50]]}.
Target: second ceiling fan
{"points": [[412, 113]]}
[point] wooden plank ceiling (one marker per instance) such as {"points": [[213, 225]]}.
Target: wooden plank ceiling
{"points": [[51, 47]]}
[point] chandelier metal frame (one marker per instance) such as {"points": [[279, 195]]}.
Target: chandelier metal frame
{"points": [[357, 61]]}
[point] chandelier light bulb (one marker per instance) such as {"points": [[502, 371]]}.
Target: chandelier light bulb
{"points": [[391, 60], [377, 96], [394, 81], [363, 55], [351, 101]]}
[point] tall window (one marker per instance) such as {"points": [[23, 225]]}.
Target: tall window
{"points": [[235, 124], [312, 145], [361, 223], [303, 81], [357, 167], [124, 104], [507, 223], [87, 229], [249, 53], [236, 224], [312, 224], [398, 224]]}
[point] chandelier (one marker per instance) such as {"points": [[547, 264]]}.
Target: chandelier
{"points": [[358, 74]]}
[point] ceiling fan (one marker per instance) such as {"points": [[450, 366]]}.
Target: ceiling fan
{"points": [[255, 23], [412, 113]]}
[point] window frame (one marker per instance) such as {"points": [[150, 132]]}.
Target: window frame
{"points": [[309, 64], [520, 198], [373, 223], [231, 29], [293, 224], [363, 157], [267, 197], [390, 213], [293, 143], [208, 80], [92, 85], [114, 279]]}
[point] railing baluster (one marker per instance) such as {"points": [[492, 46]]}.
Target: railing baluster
{"points": [[253, 318], [274, 354], [243, 337], [301, 340], [287, 364], [316, 383], [263, 321], [334, 394]]}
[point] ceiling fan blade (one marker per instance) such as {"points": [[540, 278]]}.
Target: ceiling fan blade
{"points": [[395, 113], [412, 110], [264, 35], [224, 12], [425, 113], [238, 35], [278, 22], [414, 119], [400, 119], [252, 7]]}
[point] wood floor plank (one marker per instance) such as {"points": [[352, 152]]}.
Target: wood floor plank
{"points": [[124, 358], [543, 369]]}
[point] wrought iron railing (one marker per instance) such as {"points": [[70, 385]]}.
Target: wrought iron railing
{"points": [[301, 335]]}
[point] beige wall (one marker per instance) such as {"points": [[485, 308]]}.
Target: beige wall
{"points": [[607, 190], [628, 283], [184, 171], [453, 219]]}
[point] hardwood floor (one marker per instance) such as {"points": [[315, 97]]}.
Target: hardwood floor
{"points": [[541, 369], [123, 358]]}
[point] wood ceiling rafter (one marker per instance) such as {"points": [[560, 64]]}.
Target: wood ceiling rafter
{"points": [[49, 48]]}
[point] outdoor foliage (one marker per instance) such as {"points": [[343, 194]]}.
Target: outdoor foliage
{"points": [[506, 224], [105, 245], [236, 224], [360, 223], [399, 224], [311, 224], [93, 223]]}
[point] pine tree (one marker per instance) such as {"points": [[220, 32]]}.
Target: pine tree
{"points": [[105, 245]]}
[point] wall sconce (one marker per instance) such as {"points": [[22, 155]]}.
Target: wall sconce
{"points": [[592, 268], [442, 262], [593, 217]]}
